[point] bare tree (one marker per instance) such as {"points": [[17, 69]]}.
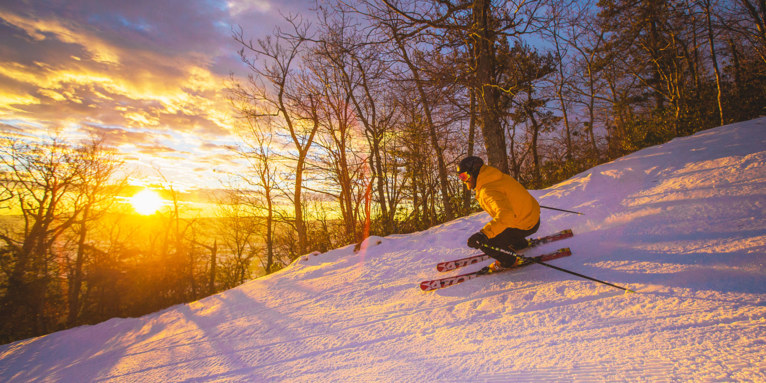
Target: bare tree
{"points": [[753, 25], [707, 9], [238, 229], [43, 178], [340, 164], [426, 105], [279, 94], [483, 25], [97, 189], [260, 185], [363, 69]]}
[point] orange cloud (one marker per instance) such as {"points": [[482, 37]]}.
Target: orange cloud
{"points": [[151, 84]]}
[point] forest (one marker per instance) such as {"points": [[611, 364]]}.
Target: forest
{"points": [[350, 124]]}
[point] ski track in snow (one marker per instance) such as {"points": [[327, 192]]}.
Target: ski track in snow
{"points": [[681, 223]]}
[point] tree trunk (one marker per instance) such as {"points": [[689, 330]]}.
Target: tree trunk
{"points": [[300, 225], [269, 233], [538, 179], [484, 56], [75, 284], [213, 262], [711, 41], [433, 135], [471, 142]]}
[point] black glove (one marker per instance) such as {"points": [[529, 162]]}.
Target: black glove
{"points": [[476, 240]]}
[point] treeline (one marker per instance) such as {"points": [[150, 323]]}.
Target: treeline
{"points": [[370, 105], [351, 125]]}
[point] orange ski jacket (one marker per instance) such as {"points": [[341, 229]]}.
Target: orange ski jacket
{"points": [[509, 204]]}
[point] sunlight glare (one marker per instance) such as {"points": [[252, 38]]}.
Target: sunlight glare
{"points": [[146, 202]]}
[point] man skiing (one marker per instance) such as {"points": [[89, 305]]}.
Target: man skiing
{"points": [[515, 213]]}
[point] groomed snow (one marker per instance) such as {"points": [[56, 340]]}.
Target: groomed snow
{"points": [[681, 223]]}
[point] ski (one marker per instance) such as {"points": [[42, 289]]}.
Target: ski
{"points": [[451, 281], [463, 262]]}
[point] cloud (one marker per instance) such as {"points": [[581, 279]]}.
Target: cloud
{"points": [[61, 71], [147, 75], [237, 7], [118, 136]]}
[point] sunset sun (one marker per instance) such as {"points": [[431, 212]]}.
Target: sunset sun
{"points": [[146, 202]]}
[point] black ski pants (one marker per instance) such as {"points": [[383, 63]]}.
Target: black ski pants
{"points": [[514, 239]]}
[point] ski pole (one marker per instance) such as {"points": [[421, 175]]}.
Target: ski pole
{"points": [[508, 252], [566, 211]]}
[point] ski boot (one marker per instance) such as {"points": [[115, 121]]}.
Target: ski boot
{"points": [[498, 266]]}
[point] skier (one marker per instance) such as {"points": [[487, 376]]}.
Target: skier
{"points": [[515, 213]]}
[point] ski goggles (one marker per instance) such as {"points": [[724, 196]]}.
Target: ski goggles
{"points": [[464, 176]]}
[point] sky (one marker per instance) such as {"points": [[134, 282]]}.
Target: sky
{"points": [[148, 75], [682, 224]]}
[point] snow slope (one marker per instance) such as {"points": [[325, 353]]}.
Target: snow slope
{"points": [[681, 223]]}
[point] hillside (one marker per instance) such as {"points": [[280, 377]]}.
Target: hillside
{"points": [[680, 223]]}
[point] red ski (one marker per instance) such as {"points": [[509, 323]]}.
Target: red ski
{"points": [[463, 262], [451, 281]]}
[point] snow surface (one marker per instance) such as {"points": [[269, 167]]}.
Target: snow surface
{"points": [[681, 223]]}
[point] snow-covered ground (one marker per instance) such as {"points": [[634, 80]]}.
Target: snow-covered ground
{"points": [[681, 223]]}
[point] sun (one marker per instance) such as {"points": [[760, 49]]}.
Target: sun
{"points": [[146, 202]]}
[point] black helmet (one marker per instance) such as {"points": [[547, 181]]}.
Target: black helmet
{"points": [[470, 165]]}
